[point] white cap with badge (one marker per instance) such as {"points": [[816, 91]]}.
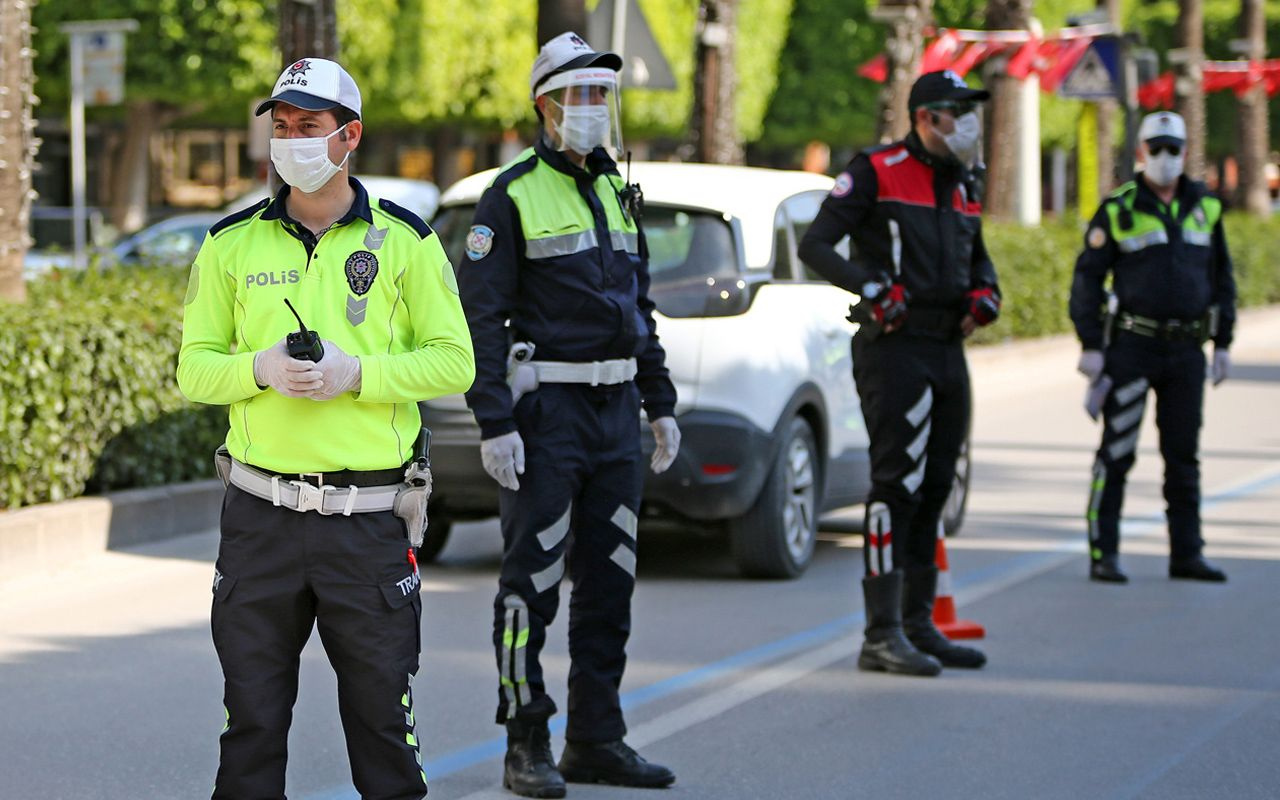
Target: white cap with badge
{"points": [[314, 84]]}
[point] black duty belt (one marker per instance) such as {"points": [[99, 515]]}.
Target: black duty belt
{"points": [[1169, 329], [344, 477], [936, 323]]}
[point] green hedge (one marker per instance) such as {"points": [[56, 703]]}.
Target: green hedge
{"points": [[88, 396], [89, 400], [1035, 266]]}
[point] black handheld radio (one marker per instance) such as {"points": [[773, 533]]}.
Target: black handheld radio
{"points": [[303, 344]]}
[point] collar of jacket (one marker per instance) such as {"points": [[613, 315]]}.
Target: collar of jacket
{"points": [[598, 161], [359, 207], [945, 164], [1187, 193]]}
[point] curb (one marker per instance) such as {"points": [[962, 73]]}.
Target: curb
{"points": [[42, 538]]}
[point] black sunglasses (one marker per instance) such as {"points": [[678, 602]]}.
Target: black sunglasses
{"points": [[1172, 149], [957, 108]]}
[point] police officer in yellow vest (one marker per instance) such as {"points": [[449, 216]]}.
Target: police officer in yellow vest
{"points": [[555, 287], [326, 497], [1161, 241]]}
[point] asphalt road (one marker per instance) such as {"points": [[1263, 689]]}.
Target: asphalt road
{"points": [[109, 686]]}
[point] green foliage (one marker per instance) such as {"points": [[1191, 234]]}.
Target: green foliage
{"points": [[1036, 264], [214, 55], [89, 396]]}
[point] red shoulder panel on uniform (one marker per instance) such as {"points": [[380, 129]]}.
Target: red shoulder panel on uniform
{"points": [[902, 178]]}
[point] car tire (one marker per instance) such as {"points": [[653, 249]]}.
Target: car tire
{"points": [[958, 500], [439, 524], [775, 538]]}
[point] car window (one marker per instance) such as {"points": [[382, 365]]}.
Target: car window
{"points": [[693, 260], [801, 210]]}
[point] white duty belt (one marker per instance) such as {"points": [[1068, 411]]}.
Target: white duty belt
{"points": [[298, 495], [595, 373]]}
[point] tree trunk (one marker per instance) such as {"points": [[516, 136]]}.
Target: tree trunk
{"points": [[1189, 81], [129, 175], [1108, 114], [714, 120], [1254, 197], [18, 144], [904, 45], [559, 16], [1004, 115], [308, 28]]}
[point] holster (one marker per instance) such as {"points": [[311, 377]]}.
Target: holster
{"points": [[410, 503], [868, 328], [222, 463]]}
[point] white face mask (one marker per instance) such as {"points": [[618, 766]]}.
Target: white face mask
{"points": [[1165, 169], [583, 128], [304, 163], [964, 140]]}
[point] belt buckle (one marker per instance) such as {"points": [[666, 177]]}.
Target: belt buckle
{"points": [[311, 498]]}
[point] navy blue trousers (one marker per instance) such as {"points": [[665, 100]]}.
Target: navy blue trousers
{"points": [[575, 513], [1174, 370]]}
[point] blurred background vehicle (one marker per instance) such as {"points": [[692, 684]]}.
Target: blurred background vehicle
{"points": [[758, 348], [177, 239]]}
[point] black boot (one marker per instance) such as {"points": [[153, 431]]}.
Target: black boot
{"points": [[611, 762], [920, 587], [1107, 570], [885, 648], [529, 770], [1196, 569]]}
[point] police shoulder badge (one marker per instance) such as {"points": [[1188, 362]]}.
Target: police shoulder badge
{"points": [[479, 242], [844, 185], [1097, 237], [1200, 217], [362, 268]]}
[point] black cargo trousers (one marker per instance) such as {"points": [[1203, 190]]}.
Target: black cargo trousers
{"points": [[1175, 371], [915, 401], [279, 573]]}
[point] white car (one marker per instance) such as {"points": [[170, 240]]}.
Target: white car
{"points": [[759, 351]]}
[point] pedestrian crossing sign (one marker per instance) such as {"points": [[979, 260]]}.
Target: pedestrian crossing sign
{"points": [[1096, 76]]}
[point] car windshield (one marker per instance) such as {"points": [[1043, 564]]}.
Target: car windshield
{"points": [[690, 254]]}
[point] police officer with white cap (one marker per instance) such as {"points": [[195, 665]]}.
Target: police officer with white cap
{"points": [[1161, 241], [555, 288], [326, 494]]}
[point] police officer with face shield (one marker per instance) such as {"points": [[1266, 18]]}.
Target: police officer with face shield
{"points": [[912, 212], [1160, 240], [555, 288], [326, 496]]}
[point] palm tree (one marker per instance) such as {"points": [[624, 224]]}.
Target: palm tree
{"points": [[1253, 116], [904, 46], [18, 144], [1189, 81], [1004, 114], [714, 122]]}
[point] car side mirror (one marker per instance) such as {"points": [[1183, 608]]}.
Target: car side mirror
{"points": [[727, 297]]}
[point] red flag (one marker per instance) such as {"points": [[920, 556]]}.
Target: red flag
{"points": [[940, 52], [1069, 53], [1023, 61], [974, 54], [877, 69], [1157, 93]]}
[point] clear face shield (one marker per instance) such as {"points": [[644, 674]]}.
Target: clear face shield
{"points": [[585, 110]]}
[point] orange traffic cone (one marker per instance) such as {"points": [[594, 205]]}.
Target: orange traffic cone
{"points": [[944, 605]]}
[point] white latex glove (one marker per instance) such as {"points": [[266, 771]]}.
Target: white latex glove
{"points": [[667, 435], [1090, 365], [289, 376], [339, 372], [503, 459], [1221, 369]]}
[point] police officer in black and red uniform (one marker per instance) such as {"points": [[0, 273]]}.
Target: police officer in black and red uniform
{"points": [[912, 211], [1160, 238]]}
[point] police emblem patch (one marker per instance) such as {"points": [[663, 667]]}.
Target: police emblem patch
{"points": [[362, 268], [1097, 237], [844, 185], [1199, 216], [479, 242]]}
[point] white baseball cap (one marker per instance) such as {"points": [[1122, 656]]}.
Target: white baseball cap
{"points": [[565, 52], [1163, 127], [315, 84]]}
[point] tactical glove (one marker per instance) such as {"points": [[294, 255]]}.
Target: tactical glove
{"points": [[984, 305]]}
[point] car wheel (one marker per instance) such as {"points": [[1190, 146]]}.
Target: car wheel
{"points": [[433, 541], [775, 538], [953, 511]]}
